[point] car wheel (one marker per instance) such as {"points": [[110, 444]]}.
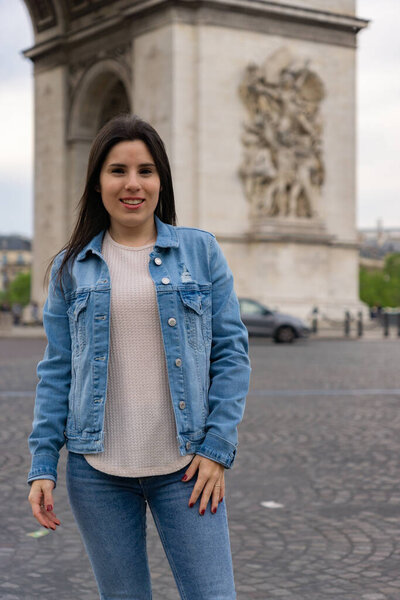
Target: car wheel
{"points": [[284, 335]]}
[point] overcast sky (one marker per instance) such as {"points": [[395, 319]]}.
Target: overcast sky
{"points": [[378, 121]]}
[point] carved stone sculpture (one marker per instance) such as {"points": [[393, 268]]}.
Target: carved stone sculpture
{"points": [[282, 169]]}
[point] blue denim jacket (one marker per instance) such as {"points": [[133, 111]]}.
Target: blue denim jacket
{"points": [[205, 341]]}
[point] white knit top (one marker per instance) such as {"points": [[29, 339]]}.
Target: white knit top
{"points": [[139, 423]]}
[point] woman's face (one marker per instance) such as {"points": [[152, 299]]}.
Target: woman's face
{"points": [[129, 187]]}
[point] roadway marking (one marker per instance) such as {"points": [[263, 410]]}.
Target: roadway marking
{"points": [[16, 394], [324, 392]]}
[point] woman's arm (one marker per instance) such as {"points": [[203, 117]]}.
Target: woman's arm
{"points": [[54, 373], [230, 365]]}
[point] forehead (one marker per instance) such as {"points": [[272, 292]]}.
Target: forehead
{"points": [[132, 151]]}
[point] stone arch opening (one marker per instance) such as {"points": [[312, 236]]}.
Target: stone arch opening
{"points": [[100, 93]]}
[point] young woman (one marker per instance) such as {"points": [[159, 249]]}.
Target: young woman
{"points": [[144, 377]]}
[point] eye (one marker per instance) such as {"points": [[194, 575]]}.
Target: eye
{"points": [[146, 171], [117, 170]]}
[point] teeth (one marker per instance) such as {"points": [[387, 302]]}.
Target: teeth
{"points": [[132, 201]]}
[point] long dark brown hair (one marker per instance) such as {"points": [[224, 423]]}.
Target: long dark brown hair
{"points": [[93, 217]]}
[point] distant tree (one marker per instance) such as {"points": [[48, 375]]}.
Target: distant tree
{"points": [[19, 289], [382, 286]]}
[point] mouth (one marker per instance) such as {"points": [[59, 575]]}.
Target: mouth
{"points": [[132, 202]]}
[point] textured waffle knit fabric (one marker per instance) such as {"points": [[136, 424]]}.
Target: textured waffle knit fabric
{"points": [[139, 423]]}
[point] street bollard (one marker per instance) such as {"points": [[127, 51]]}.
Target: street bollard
{"points": [[385, 324], [314, 325], [347, 323], [314, 322], [359, 324]]}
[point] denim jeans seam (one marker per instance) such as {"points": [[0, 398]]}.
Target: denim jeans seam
{"points": [[169, 556], [144, 518]]}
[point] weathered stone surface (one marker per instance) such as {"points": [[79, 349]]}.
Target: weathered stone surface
{"points": [[181, 67]]}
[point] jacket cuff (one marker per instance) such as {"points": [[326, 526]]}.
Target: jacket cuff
{"points": [[44, 466], [218, 449]]}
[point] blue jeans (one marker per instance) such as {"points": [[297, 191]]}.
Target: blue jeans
{"points": [[110, 512]]}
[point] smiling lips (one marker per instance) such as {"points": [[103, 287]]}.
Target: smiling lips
{"points": [[132, 202]]}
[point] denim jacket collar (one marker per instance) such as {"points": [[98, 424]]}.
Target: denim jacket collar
{"points": [[166, 238]]}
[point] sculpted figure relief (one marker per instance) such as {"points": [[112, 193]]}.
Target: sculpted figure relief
{"points": [[282, 169]]}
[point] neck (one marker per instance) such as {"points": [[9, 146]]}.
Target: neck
{"points": [[128, 237]]}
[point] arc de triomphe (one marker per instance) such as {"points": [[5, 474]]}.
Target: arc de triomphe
{"points": [[255, 101]]}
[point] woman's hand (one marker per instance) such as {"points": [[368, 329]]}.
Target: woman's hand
{"points": [[210, 481], [41, 499]]}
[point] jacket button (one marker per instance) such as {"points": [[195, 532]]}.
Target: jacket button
{"points": [[165, 280], [178, 362], [158, 260], [188, 445], [182, 404], [172, 322]]}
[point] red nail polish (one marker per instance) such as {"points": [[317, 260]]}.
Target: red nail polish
{"points": [[49, 507], [184, 478], [221, 499], [214, 510], [203, 511], [191, 504]]}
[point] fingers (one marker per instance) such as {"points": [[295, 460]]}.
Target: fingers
{"points": [[222, 489], [192, 468], [210, 483], [41, 500]]}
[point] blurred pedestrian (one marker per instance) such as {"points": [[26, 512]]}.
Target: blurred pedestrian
{"points": [[16, 309], [144, 377], [35, 312]]}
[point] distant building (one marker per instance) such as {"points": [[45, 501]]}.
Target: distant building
{"points": [[15, 257], [376, 243]]}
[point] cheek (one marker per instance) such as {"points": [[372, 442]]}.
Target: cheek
{"points": [[156, 190], [110, 188]]}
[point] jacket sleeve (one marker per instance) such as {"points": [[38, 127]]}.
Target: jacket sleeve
{"points": [[229, 364], [52, 390]]}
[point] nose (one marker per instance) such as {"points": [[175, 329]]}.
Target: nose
{"points": [[132, 182]]}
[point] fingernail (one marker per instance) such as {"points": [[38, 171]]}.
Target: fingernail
{"points": [[184, 478], [203, 511], [191, 504], [221, 499], [49, 507]]}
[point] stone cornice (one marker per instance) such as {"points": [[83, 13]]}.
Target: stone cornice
{"points": [[278, 10], [258, 15], [270, 238]]}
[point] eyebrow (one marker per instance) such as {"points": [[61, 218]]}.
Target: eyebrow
{"points": [[141, 165]]}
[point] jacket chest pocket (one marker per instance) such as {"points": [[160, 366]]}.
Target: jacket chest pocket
{"points": [[197, 315], [77, 322]]}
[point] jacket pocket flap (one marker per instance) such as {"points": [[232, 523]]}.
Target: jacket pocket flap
{"points": [[192, 299], [77, 306]]}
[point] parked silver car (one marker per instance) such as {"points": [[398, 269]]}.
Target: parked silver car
{"points": [[260, 320]]}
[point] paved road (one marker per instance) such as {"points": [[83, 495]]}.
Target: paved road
{"points": [[313, 498]]}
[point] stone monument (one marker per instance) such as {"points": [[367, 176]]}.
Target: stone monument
{"points": [[256, 103]]}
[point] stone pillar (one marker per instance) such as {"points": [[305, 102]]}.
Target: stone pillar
{"points": [[50, 215]]}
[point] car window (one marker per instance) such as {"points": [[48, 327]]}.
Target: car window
{"points": [[247, 307]]}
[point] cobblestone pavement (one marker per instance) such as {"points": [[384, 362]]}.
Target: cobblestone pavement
{"points": [[313, 498]]}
